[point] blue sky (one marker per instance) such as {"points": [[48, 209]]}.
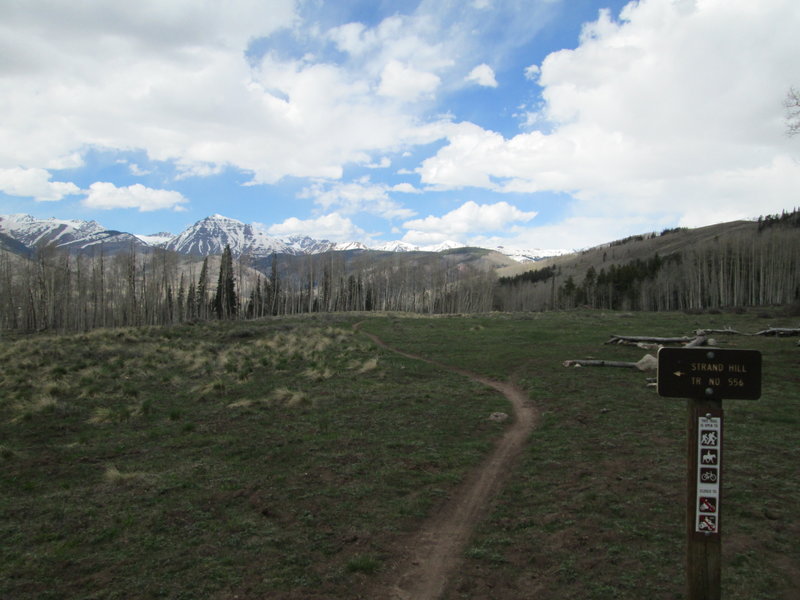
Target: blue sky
{"points": [[523, 123]]}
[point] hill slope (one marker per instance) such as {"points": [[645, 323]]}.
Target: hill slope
{"points": [[741, 263]]}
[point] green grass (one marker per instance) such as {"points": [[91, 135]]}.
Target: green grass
{"points": [[285, 459], [201, 461], [596, 507]]}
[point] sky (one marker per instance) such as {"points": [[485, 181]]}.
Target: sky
{"points": [[518, 123]]}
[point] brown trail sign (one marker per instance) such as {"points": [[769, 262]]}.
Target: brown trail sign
{"points": [[709, 373], [705, 376]]}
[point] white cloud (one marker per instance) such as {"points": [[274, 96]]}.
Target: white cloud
{"points": [[406, 83], [405, 188], [384, 163], [361, 196], [104, 195], [467, 220], [137, 170], [184, 82], [419, 238], [173, 80], [674, 110], [482, 75], [578, 232], [123, 75], [532, 72], [36, 184], [332, 227]]}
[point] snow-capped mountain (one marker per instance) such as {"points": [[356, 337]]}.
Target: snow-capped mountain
{"points": [[400, 246], [342, 246], [299, 244], [212, 234], [33, 232], [530, 255], [69, 234], [441, 247], [160, 239], [206, 237], [395, 247]]}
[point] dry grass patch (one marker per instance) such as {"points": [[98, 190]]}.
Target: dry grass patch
{"points": [[114, 476], [318, 374], [363, 366], [241, 404], [291, 398], [41, 402], [101, 416], [215, 387]]}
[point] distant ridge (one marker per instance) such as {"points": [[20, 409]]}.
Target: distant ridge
{"points": [[208, 236]]}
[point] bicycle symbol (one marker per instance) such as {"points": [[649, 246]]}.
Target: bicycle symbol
{"points": [[708, 476]]}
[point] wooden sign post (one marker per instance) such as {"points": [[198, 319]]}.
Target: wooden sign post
{"points": [[705, 376]]}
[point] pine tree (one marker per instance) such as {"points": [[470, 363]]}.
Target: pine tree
{"points": [[225, 303], [202, 290]]}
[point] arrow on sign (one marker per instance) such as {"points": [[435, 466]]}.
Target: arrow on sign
{"points": [[679, 373]]}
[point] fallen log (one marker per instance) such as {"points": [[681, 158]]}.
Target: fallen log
{"points": [[780, 331], [635, 339], [646, 341], [727, 331], [598, 363], [700, 340], [647, 363]]}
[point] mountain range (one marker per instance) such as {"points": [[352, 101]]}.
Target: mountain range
{"points": [[22, 233]]}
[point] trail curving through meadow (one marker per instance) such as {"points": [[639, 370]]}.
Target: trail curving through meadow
{"points": [[431, 555]]}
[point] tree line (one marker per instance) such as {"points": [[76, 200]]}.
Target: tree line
{"points": [[59, 291], [739, 271]]}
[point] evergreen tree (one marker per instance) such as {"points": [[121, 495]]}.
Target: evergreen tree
{"points": [[225, 303], [202, 291]]}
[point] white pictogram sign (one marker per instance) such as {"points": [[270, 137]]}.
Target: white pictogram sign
{"points": [[709, 456]]}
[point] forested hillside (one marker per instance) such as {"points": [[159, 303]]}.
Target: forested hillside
{"points": [[728, 265]]}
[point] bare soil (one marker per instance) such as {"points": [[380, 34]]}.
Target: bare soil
{"points": [[427, 559]]}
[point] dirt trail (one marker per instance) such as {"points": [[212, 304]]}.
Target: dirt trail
{"points": [[431, 555]]}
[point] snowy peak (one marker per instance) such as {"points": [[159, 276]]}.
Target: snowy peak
{"points": [[212, 234], [441, 247], [69, 234], [342, 246], [302, 244], [206, 237], [530, 255], [32, 231], [396, 246], [400, 246], [159, 240]]}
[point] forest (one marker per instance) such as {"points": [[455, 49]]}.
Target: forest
{"points": [[59, 291], [742, 269]]}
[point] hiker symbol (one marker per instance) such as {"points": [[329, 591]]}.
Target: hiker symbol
{"points": [[709, 437]]}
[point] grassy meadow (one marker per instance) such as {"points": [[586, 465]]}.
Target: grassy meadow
{"points": [[287, 458]]}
